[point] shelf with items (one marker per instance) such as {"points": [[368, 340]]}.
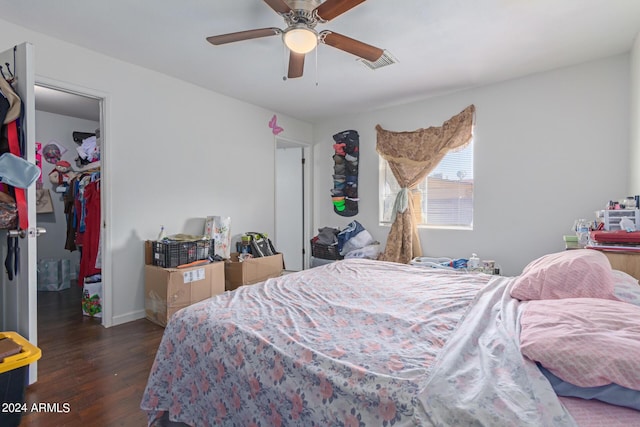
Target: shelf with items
{"points": [[611, 217]]}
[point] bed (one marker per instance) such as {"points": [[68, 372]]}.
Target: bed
{"points": [[361, 342]]}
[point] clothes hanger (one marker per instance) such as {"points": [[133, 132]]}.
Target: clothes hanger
{"points": [[11, 77]]}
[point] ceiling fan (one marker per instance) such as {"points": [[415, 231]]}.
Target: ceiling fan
{"points": [[300, 36]]}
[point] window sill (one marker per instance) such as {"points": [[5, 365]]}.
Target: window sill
{"points": [[434, 227]]}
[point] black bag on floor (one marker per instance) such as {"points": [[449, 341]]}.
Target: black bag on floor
{"points": [[261, 245]]}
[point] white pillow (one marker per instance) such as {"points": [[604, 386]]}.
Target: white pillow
{"points": [[626, 287]]}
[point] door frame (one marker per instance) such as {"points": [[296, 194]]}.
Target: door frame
{"points": [[307, 152], [105, 183], [18, 299]]}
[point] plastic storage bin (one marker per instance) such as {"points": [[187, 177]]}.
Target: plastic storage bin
{"points": [[170, 254], [612, 217], [13, 379]]}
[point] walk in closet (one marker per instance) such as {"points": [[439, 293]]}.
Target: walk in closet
{"points": [[68, 152]]}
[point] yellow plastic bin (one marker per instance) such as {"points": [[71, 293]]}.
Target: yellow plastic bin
{"points": [[13, 379]]}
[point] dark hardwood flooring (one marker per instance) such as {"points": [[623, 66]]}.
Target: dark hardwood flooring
{"points": [[99, 372]]}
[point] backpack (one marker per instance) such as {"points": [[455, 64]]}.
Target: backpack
{"points": [[261, 245]]}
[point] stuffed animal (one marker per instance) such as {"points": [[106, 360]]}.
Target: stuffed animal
{"points": [[61, 174]]}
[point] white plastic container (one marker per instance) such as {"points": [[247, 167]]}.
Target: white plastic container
{"points": [[612, 217], [474, 262]]}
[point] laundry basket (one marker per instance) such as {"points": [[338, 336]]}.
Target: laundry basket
{"points": [[318, 250]]}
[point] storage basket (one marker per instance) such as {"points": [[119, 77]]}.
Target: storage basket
{"points": [[319, 250], [170, 254]]}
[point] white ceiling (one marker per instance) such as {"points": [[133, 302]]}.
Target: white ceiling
{"points": [[441, 45], [67, 104]]}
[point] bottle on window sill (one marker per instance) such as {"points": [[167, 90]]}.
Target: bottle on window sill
{"points": [[474, 262]]}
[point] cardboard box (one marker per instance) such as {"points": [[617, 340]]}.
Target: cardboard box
{"points": [[168, 290], [251, 271]]}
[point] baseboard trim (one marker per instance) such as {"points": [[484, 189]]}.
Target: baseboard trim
{"points": [[128, 317]]}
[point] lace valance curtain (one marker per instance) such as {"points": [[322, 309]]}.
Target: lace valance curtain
{"points": [[411, 157]]}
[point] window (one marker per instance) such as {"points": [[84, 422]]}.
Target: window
{"points": [[443, 199]]}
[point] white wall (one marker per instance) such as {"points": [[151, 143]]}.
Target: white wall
{"points": [[55, 127], [550, 148], [174, 153], [634, 108]]}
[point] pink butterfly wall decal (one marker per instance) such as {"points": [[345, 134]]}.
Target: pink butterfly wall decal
{"points": [[274, 125]]}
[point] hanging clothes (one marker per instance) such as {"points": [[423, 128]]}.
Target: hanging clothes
{"points": [[91, 234], [69, 212], [82, 209]]}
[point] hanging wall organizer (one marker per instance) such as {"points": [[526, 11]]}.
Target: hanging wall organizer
{"points": [[345, 173]]}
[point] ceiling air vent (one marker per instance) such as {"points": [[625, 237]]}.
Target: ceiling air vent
{"points": [[383, 61]]}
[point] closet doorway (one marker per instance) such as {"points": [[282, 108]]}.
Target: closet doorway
{"points": [[292, 187], [66, 117]]}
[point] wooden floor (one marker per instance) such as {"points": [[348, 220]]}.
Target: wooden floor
{"points": [[99, 372]]}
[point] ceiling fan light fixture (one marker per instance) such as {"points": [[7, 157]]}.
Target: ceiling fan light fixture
{"points": [[300, 39]]}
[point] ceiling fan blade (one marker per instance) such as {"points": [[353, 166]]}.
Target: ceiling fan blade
{"points": [[279, 6], [353, 46], [296, 65], [333, 8], [243, 35]]}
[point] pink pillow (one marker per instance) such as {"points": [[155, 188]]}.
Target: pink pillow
{"points": [[588, 342], [579, 273]]}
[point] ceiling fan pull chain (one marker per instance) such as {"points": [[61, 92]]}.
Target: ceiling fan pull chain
{"points": [[284, 62], [316, 65]]}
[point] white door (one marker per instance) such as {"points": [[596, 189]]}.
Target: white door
{"points": [[289, 238], [18, 297]]}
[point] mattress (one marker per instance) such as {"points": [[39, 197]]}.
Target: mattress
{"points": [[355, 342]]}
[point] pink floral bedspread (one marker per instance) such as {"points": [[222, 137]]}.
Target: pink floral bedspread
{"points": [[352, 343]]}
